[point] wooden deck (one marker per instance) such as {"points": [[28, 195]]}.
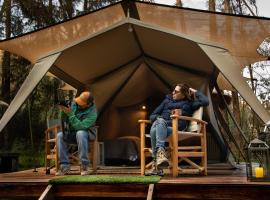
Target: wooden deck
{"points": [[221, 183]]}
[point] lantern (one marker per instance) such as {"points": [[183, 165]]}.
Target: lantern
{"points": [[258, 168]]}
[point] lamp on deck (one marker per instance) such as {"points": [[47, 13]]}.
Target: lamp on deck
{"points": [[258, 166]]}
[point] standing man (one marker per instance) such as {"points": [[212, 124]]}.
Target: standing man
{"points": [[80, 119]]}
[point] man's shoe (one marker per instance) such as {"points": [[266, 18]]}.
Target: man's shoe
{"points": [[85, 170], [63, 171], [154, 170], [162, 160]]}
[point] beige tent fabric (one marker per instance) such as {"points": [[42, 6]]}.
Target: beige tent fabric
{"points": [[108, 56], [231, 71], [240, 35], [37, 44], [36, 74], [99, 54], [157, 43], [106, 87], [141, 85], [174, 75]]}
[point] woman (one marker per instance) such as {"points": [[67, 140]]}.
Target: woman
{"points": [[187, 100]]}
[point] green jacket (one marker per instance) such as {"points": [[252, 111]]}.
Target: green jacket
{"points": [[80, 119]]}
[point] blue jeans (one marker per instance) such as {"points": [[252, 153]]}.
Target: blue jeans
{"points": [[82, 138], [159, 132]]}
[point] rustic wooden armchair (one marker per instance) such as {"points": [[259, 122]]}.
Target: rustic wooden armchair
{"points": [[178, 153], [51, 150]]}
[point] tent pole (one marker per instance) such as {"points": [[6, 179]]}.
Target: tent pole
{"points": [[222, 123], [230, 113]]}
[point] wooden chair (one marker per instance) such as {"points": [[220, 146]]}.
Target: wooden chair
{"points": [[196, 129], [179, 153], [51, 153], [144, 151]]}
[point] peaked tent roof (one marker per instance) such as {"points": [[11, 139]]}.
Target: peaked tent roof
{"points": [[112, 51], [234, 32]]}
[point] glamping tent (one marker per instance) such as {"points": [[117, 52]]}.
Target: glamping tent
{"points": [[130, 53]]}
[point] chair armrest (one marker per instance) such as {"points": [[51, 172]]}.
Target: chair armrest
{"points": [[188, 119], [144, 121]]}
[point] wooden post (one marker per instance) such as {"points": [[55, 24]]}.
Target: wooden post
{"points": [[204, 147], [142, 131], [56, 150], [150, 192], [47, 194], [46, 151], [94, 158], [175, 146]]}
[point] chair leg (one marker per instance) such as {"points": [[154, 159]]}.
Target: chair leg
{"points": [[94, 158], [142, 134], [175, 148], [204, 147], [142, 162], [56, 155]]}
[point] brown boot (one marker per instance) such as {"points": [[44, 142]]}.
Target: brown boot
{"points": [[162, 160], [154, 170]]}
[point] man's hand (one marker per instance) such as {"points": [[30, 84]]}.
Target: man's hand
{"points": [[65, 109]]}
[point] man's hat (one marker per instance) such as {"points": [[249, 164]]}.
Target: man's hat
{"points": [[84, 99]]}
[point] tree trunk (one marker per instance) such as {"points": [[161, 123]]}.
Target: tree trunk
{"points": [[5, 90], [227, 7], [179, 3], [85, 5], [212, 5], [254, 121]]}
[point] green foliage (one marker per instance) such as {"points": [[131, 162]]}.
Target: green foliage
{"points": [[28, 157]]}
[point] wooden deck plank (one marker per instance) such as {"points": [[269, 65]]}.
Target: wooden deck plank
{"points": [[101, 190], [212, 191], [225, 183]]}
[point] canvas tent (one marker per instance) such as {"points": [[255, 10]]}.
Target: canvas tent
{"points": [[130, 53]]}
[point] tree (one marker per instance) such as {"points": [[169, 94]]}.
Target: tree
{"points": [[212, 5], [5, 90], [243, 7], [179, 3]]}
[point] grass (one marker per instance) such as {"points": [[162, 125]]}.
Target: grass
{"points": [[105, 179]]}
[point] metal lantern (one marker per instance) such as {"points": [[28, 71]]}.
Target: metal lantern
{"points": [[258, 168]]}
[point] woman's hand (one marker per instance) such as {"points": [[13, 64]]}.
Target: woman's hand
{"points": [[192, 90]]}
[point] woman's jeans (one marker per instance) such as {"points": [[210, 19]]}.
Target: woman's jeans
{"points": [[159, 132], [81, 138]]}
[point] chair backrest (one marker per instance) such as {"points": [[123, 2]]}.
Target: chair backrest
{"points": [[194, 126], [52, 122]]}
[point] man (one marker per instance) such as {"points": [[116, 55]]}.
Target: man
{"points": [[80, 118], [187, 100]]}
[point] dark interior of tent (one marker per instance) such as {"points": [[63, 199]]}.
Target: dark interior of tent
{"points": [[136, 99]]}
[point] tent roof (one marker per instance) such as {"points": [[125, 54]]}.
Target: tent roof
{"points": [[233, 32], [107, 55]]}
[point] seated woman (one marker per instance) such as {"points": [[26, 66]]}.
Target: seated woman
{"points": [[183, 97]]}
